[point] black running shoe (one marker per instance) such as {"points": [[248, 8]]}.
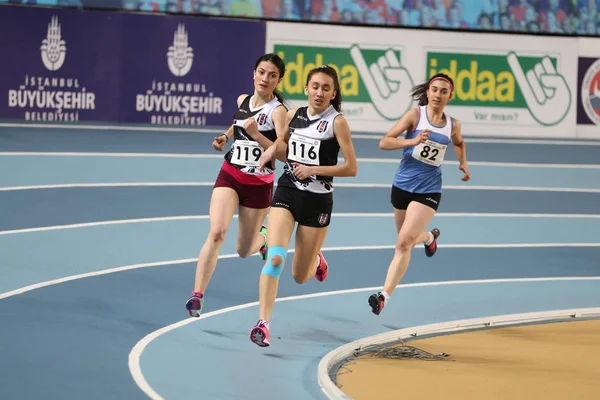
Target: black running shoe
{"points": [[377, 302], [432, 248]]}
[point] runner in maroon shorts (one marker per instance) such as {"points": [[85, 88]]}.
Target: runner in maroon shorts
{"points": [[257, 123]]}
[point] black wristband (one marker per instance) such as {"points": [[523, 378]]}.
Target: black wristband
{"points": [[226, 137]]}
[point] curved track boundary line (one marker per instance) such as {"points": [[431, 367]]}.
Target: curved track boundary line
{"points": [[138, 349]]}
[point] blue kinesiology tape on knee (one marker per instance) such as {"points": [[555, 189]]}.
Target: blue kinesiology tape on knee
{"points": [[269, 269]]}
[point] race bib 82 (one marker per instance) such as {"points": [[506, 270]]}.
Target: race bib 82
{"points": [[430, 152]]}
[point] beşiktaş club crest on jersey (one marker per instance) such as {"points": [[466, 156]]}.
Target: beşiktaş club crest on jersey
{"points": [[262, 118], [50, 97], [323, 219], [322, 126], [54, 48], [178, 101]]}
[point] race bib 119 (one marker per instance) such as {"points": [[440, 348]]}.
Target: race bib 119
{"points": [[246, 153]]}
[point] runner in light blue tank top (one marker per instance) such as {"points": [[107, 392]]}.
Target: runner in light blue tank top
{"points": [[414, 175], [417, 187]]}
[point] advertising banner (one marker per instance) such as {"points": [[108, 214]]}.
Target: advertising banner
{"points": [[185, 70], [588, 107], [59, 64], [71, 65], [524, 87], [588, 85]]}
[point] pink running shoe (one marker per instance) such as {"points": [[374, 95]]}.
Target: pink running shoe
{"points": [[260, 334], [194, 304], [322, 269]]}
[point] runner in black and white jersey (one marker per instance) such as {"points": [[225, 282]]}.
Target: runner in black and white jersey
{"points": [[253, 131], [259, 120], [312, 142], [304, 194]]}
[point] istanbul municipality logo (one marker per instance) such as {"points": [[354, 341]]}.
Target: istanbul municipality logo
{"points": [[54, 49], [180, 56]]}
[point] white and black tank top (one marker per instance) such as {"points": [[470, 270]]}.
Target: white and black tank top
{"points": [[245, 152], [312, 142]]}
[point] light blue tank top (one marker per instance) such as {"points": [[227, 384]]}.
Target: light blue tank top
{"points": [[420, 168]]}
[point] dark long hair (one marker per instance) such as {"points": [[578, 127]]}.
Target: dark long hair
{"points": [[278, 62], [336, 102], [419, 92]]}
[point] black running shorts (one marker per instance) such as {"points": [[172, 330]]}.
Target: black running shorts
{"points": [[308, 209], [401, 198]]}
